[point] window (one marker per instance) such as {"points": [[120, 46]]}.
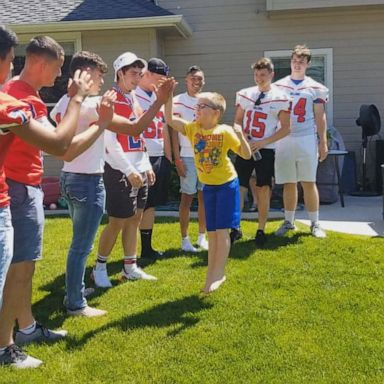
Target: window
{"points": [[321, 70]]}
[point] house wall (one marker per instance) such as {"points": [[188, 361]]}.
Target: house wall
{"points": [[276, 5], [228, 37]]}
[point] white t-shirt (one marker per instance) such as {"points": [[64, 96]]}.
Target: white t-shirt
{"points": [[261, 121], [153, 135], [91, 160], [184, 107], [303, 96]]}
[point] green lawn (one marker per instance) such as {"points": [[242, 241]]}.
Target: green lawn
{"points": [[300, 311]]}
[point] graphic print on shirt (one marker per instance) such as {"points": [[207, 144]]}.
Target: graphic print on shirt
{"points": [[208, 149]]}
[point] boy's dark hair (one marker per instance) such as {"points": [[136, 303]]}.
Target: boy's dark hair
{"points": [[263, 63], [85, 59], [193, 69], [8, 40], [44, 46]]}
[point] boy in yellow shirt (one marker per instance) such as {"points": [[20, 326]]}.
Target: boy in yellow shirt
{"points": [[211, 142]]}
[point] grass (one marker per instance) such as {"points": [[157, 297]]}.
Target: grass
{"points": [[302, 310]]}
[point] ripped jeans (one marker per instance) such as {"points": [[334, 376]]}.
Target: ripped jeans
{"points": [[85, 195]]}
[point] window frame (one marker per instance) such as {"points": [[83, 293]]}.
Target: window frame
{"points": [[327, 53]]}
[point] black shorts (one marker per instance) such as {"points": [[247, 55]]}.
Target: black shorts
{"points": [[122, 200], [264, 168], [158, 192]]}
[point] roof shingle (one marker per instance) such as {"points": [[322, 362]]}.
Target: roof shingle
{"points": [[48, 11]]}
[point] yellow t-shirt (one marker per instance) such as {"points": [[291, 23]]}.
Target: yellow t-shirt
{"points": [[210, 147]]}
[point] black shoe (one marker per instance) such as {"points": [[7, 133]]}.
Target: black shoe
{"points": [[260, 238], [152, 255], [235, 234]]}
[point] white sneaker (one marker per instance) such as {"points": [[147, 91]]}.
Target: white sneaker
{"points": [[317, 231], [14, 356], [87, 312], [100, 278], [187, 246], [202, 242], [136, 273], [284, 228]]}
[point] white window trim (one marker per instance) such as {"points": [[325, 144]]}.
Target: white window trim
{"points": [[328, 75]]}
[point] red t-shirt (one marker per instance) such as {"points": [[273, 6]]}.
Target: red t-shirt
{"points": [[24, 162], [12, 113]]}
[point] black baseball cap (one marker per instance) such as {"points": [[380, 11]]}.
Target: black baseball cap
{"points": [[158, 66]]}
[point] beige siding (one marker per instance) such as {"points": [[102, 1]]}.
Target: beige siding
{"points": [[110, 44], [279, 5], [227, 38]]}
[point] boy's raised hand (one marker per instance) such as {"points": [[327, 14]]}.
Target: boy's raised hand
{"points": [[165, 89], [80, 85], [106, 107]]}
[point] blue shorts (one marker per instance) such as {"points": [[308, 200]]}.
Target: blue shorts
{"points": [[6, 246], [27, 220], [222, 205], [190, 184]]}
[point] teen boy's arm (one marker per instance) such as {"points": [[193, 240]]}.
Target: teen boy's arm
{"points": [[120, 124], [56, 142], [321, 124], [82, 141], [284, 130]]}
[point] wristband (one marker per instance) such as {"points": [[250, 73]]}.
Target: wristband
{"points": [[178, 161]]}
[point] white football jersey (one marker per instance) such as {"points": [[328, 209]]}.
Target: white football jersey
{"points": [[303, 96], [261, 121], [91, 160], [153, 135], [184, 107]]}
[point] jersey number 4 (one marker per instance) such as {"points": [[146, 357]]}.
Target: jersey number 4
{"points": [[255, 125], [299, 110]]}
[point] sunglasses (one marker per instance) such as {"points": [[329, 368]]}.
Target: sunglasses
{"points": [[261, 97], [203, 106]]}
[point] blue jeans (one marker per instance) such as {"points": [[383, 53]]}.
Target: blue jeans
{"points": [[6, 246], [85, 195]]}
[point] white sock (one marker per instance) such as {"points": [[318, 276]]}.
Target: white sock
{"points": [[130, 263], [289, 216], [186, 238], [101, 263], [313, 217], [28, 330], [201, 236]]}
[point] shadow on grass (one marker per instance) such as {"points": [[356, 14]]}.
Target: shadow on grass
{"points": [[50, 310], [243, 249], [181, 313]]}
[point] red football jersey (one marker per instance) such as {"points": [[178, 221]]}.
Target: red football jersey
{"points": [[24, 162], [12, 113]]}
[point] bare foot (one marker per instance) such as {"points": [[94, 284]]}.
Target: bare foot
{"points": [[209, 288]]}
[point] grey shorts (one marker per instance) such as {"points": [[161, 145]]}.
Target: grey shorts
{"points": [[27, 221], [190, 184]]}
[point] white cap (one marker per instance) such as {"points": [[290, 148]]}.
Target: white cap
{"points": [[126, 58]]}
